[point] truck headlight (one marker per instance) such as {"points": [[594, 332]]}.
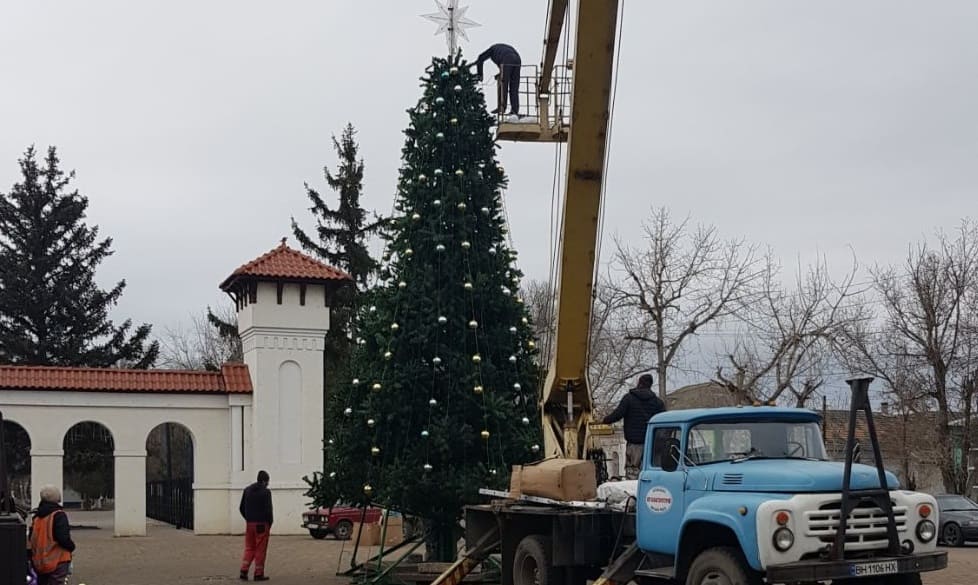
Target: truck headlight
{"points": [[784, 539], [926, 530]]}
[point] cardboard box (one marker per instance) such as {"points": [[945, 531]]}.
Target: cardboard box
{"points": [[395, 531], [370, 535], [558, 479]]}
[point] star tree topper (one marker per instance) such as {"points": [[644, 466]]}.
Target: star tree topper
{"points": [[452, 22]]}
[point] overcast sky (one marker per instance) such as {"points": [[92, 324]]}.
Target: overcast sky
{"points": [[807, 126]]}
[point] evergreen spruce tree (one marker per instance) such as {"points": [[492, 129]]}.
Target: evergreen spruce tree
{"points": [[52, 312], [441, 400]]}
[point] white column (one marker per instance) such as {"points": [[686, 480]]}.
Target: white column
{"points": [[130, 493], [47, 467]]}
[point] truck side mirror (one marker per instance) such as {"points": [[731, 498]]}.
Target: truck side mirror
{"points": [[671, 455]]}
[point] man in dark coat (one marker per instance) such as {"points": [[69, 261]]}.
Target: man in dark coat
{"points": [[636, 407], [256, 508], [508, 60]]}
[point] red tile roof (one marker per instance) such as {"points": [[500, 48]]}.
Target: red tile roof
{"points": [[282, 262], [232, 379]]}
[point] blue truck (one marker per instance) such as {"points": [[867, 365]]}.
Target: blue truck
{"points": [[726, 496]]}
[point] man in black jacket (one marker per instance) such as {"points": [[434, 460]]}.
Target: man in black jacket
{"points": [[636, 407], [256, 508], [508, 60]]}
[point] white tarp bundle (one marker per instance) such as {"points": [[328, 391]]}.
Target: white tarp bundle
{"points": [[617, 493]]}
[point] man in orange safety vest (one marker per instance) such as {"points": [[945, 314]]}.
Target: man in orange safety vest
{"points": [[51, 544]]}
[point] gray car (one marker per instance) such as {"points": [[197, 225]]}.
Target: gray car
{"points": [[959, 519]]}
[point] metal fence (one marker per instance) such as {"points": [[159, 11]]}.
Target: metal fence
{"points": [[171, 501]]}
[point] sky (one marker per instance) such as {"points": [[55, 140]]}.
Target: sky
{"points": [[815, 128]]}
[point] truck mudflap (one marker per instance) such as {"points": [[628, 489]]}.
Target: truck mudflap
{"points": [[818, 570]]}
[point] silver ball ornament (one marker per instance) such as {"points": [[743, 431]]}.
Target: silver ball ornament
{"points": [[461, 206], [356, 381], [438, 172], [535, 448], [332, 475], [454, 121], [395, 326], [526, 421], [466, 245], [442, 319], [424, 434], [409, 252], [513, 329], [436, 360], [467, 286], [440, 136], [371, 422], [427, 467], [517, 386], [402, 284], [373, 308], [453, 70], [473, 324], [512, 359], [485, 211], [439, 100], [422, 177], [348, 411], [415, 216], [388, 355], [440, 248], [436, 202], [459, 172], [457, 88], [432, 402]]}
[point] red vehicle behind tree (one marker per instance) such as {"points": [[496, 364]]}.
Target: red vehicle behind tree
{"points": [[337, 520]]}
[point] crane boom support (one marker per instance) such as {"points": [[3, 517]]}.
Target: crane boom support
{"points": [[555, 23], [566, 397]]}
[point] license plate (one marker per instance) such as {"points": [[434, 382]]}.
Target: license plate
{"points": [[873, 569]]}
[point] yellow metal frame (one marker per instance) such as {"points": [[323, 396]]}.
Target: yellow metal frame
{"points": [[566, 401]]}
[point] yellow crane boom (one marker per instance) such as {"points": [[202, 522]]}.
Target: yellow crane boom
{"points": [[566, 399]]}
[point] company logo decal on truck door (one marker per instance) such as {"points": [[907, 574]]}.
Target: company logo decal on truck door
{"points": [[658, 499]]}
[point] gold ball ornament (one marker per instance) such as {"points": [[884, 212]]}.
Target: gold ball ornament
{"points": [[402, 284], [371, 422], [466, 245], [415, 216], [461, 206], [477, 359], [388, 355], [367, 489], [377, 387], [477, 389], [526, 321], [395, 326], [484, 435], [459, 172], [531, 344], [375, 451], [468, 286], [454, 121], [409, 252]]}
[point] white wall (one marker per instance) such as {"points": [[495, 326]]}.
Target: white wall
{"points": [[47, 415]]}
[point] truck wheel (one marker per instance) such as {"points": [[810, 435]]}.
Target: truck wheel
{"points": [[532, 562], [721, 566], [318, 533], [951, 535], [343, 530]]}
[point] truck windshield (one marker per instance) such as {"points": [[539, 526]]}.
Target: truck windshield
{"points": [[730, 441]]}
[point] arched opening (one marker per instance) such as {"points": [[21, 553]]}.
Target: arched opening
{"points": [[89, 471], [170, 475], [17, 455]]}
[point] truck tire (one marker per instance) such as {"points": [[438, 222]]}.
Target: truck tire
{"points": [[343, 530], [318, 533], [721, 566], [532, 562]]}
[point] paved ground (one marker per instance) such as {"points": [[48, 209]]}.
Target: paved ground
{"points": [[177, 557]]}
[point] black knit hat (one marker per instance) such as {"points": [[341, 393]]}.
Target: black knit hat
{"points": [[645, 381], [263, 476]]}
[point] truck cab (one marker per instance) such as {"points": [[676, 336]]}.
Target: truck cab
{"points": [[750, 492]]}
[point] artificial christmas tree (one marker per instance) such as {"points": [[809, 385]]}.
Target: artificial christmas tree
{"points": [[442, 399]]}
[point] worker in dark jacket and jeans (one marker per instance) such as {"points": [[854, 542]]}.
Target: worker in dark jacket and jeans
{"points": [[256, 507], [508, 60], [636, 407]]}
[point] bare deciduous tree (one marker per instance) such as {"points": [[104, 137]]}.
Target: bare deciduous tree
{"points": [[786, 346], [924, 335], [684, 277], [201, 345], [612, 358]]}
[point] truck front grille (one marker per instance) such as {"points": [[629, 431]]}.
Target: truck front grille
{"points": [[865, 529]]}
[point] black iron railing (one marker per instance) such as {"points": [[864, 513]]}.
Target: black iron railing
{"points": [[171, 501]]}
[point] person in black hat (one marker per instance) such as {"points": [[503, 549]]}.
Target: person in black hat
{"points": [[636, 407], [256, 508]]}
